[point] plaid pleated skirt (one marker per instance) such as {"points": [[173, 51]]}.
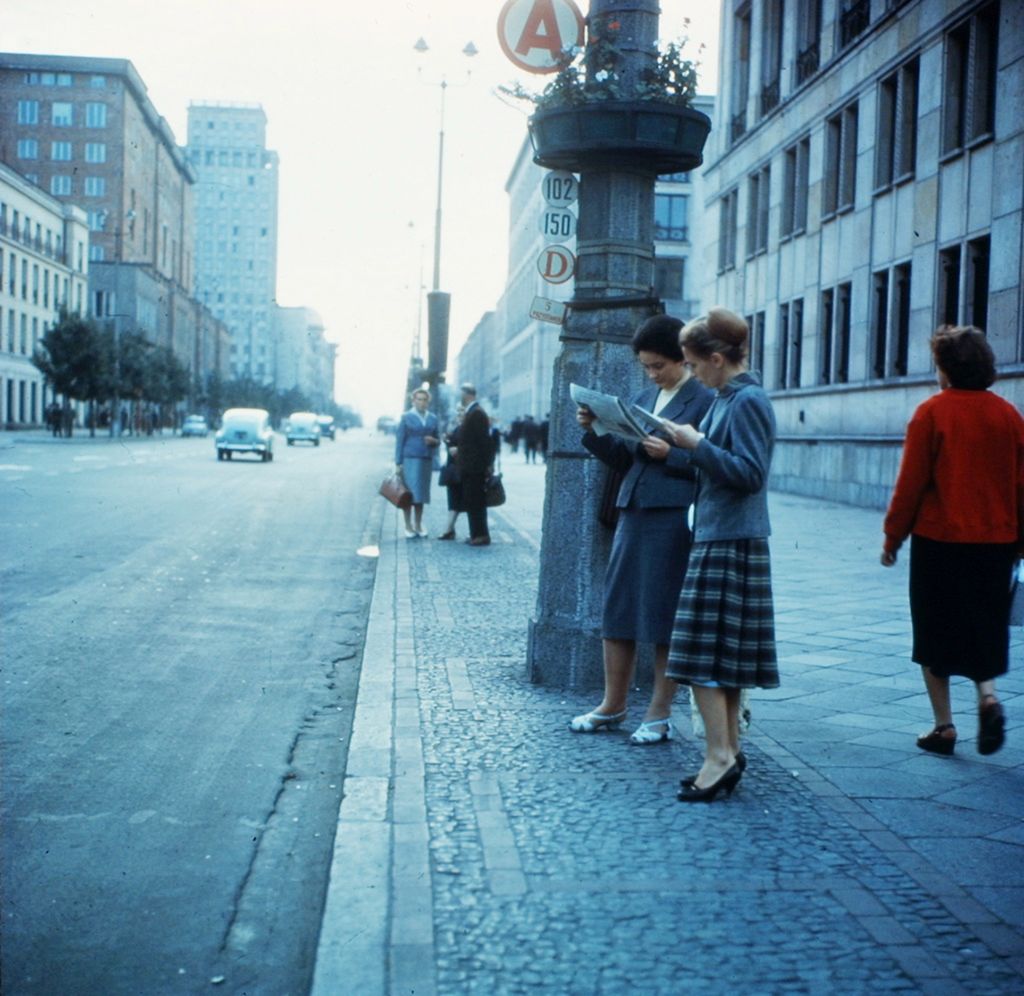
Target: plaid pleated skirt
{"points": [[724, 629]]}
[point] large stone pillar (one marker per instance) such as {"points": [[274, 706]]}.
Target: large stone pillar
{"points": [[613, 295]]}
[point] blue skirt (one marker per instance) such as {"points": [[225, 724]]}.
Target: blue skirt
{"points": [[645, 573], [416, 472], [724, 632]]}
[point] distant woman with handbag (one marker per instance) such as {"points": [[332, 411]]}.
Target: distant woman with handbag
{"points": [[449, 477], [652, 538], [960, 497], [416, 443]]}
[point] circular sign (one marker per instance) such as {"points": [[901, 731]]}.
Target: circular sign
{"points": [[558, 223], [535, 33], [556, 264], [560, 188]]}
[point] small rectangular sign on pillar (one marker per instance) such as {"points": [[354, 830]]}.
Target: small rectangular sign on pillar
{"points": [[546, 310]]}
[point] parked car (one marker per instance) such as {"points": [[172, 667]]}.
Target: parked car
{"points": [[303, 428], [194, 425], [245, 430], [326, 424]]}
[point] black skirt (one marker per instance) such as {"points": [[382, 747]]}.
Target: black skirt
{"points": [[960, 607]]}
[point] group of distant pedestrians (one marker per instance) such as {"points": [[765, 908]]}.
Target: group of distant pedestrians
{"points": [[689, 570], [60, 419], [471, 451], [532, 434]]}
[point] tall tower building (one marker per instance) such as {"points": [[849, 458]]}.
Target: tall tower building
{"points": [[236, 226]]}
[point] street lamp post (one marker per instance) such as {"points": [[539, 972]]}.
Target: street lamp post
{"points": [[438, 301]]}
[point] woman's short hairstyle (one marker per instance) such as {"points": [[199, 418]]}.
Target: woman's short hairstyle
{"points": [[719, 331], [420, 390], [660, 335], [963, 354]]}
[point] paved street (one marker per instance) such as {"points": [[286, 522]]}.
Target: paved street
{"points": [[181, 646], [489, 850]]}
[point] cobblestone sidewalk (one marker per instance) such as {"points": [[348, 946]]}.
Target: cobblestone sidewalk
{"points": [[483, 848]]}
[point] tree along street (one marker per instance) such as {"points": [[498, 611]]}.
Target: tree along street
{"points": [[181, 641]]}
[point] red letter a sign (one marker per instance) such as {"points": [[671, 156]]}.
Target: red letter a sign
{"points": [[535, 33]]}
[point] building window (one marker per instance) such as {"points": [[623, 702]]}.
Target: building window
{"points": [[670, 217], [969, 86], [771, 55], [95, 152], [900, 320], [668, 278], [95, 115], [63, 79], [896, 143], [949, 286], [61, 114], [757, 345], [95, 186], [98, 82], [28, 112], [796, 188], [808, 57], [758, 189], [790, 344], [728, 223], [880, 324], [854, 17], [844, 296], [976, 291], [28, 148], [740, 73], [97, 220], [95, 254], [60, 185], [841, 160], [31, 79], [60, 151]]}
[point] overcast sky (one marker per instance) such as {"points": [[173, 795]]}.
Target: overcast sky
{"points": [[353, 111]]}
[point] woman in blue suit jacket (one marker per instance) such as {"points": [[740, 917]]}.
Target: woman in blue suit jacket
{"points": [[415, 449], [652, 538]]}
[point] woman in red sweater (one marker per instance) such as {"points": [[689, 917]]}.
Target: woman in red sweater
{"points": [[960, 497]]}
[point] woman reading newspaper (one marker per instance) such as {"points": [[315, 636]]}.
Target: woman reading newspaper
{"points": [[652, 538]]}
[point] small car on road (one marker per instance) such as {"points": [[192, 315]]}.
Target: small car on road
{"points": [[245, 430], [303, 428], [326, 423], [194, 425]]}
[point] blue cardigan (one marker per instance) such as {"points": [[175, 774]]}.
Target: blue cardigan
{"points": [[733, 460], [409, 442]]}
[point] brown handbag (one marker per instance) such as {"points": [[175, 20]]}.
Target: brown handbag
{"points": [[393, 488]]}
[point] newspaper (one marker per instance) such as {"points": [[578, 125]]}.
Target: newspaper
{"points": [[612, 415]]}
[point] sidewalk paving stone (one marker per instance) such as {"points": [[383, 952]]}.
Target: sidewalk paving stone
{"points": [[527, 859]]}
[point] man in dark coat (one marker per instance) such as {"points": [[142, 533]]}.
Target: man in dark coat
{"points": [[475, 457]]}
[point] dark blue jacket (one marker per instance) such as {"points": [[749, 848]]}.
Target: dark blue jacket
{"points": [[668, 483]]}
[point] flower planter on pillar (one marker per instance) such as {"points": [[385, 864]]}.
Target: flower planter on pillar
{"points": [[651, 135]]}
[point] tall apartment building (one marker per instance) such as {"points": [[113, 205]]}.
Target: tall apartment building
{"points": [[44, 266], [868, 186], [236, 213], [85, 131]]}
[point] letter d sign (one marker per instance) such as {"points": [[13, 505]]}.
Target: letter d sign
{"points": [[556, 264]]}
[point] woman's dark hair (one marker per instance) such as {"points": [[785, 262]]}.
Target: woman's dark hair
{"points": [[719, 331], [963, 354], [660, 335]]}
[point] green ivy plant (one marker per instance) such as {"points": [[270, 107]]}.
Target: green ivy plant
{"points": [[593, 73]]}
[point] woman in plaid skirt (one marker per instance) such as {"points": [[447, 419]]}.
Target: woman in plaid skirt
{"points": [[723, 639]]}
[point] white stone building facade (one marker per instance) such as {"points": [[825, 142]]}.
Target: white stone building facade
{"points": [[44, 249], [865, 185], [236, 197], [304, 359]]}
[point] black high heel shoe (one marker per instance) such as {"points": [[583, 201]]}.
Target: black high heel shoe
{"points": [[741, 763], [726, 784]]}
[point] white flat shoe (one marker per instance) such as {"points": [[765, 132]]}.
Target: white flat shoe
{"points": [[421, 532], [410, 534], [648, 733], [592, 722]]}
